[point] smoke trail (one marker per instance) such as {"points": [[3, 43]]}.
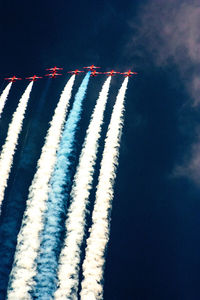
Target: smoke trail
{"points": [[24, 268], [70, 255], [60, 184], [4, 97], [99, 232], [17, 194], [8, 149]]}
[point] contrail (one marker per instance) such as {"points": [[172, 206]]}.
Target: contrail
{"points": [[58, 194], [4, 97], [75, 224], [8, 149], [94, 261], [21, 279], [17, 195]]}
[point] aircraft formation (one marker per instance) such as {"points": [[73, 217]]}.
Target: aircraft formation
{"points": [[41, 263], [53, 73]]}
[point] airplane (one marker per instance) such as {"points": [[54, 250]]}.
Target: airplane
{"points": [[54, 69], [53, 75], [33, 78], [76, 72], [128, 73], [95, 73], [12, 79], [111, 73], [91, 68]]}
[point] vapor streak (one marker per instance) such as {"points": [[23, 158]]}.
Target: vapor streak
{"points": [[17, 194], [75, 224], [8, 149], [4, 97], [24, 268], [58, 194], [94, 261]]}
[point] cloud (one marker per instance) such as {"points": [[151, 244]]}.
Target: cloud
{"points": [[191, 165], [169, 32]]}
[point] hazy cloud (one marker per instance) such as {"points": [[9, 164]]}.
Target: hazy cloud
{"points": [[170, 32], [191, 165]]}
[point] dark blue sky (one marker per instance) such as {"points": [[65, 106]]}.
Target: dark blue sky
{"points": [[154, 245]]}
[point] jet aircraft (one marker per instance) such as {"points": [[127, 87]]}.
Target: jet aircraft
{"points": [[54, 69], [76, 72], [95, 73], [12, 79], [111, 73], [128, 73], [33, 78], [53, 75], [91, 68]]}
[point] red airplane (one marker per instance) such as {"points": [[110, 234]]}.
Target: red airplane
{"points": [[12, 79], [33, 78], [111, 73], [54, 69], [95, 73], [129, 73], [53, 75], [76, 72], [91, 68]]}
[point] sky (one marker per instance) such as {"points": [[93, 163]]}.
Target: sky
{"points": [[154, 246]]}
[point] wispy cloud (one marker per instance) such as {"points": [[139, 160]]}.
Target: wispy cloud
{"points": [[169, 31], [190, 166]]}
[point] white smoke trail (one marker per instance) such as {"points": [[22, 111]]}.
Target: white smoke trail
{"points": [[8, 149], [24, 268], [61, 179], [70, 255], [94, 261], [4, 96]]}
